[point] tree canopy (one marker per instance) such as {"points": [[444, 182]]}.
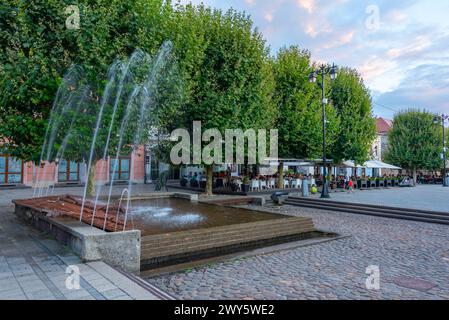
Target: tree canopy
{"points": [[224, 77], [299, 107], [36, 50], [357, 127], [415, 141]]}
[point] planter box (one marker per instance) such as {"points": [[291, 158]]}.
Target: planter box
{"points": [[372, 184], [381, 183]]}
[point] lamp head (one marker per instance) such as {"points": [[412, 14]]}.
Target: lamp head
{"points": [[333, 72], [312, 77]]}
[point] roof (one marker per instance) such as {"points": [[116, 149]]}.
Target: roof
{"points": [[383, 125]]}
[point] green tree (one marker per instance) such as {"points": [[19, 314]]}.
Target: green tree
{"points": [[357, 130], [227, 76], [36, 49], [415, 141], [299, 108]]}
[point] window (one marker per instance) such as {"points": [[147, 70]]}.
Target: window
{"points": [[11, 169], [68, 171], [119, 168]]}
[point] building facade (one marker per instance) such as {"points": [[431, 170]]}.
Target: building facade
{"points": [[66, 172]]}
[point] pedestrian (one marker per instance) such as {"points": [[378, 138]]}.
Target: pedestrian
{"points": [[350, 186]]}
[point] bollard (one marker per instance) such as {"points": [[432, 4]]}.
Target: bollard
{"points": [[305, 188]]}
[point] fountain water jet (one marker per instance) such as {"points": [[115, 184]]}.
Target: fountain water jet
{"points": [[70, 82]]}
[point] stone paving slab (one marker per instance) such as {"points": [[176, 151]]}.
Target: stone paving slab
{"points": [[33, 266], [424, 197]]}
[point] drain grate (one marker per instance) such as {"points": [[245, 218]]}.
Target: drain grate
{"points": [[413, 283]]}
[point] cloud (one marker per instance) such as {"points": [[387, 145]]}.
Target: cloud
{"points": [[308, 5], [412, 40], [423, 87], [268, 17]]}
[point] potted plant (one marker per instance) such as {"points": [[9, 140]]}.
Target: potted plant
{"points": [[377, 182], [372, 182], [381, 182], [363, 183], [245, 184], [396, 182]]}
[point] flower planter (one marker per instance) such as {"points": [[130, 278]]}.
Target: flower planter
{"points": [[364, 184], [381, 183], [372, 183], [245, 188], [396, 182]]}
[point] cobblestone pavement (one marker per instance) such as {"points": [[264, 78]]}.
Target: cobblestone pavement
{"points": [[34, 267], [413, 259]]}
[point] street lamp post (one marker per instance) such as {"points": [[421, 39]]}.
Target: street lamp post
{"points": [[323, 71], [443, 118]]}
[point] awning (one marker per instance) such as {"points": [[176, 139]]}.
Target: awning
{"points": [[372, 164], [351, 164], [292, 164]]}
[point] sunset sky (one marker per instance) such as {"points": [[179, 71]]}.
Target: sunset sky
{"points": [[403, 56]]}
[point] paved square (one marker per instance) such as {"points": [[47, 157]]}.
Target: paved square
{"points": [[33, 266], [427, 197], [337, 269]]}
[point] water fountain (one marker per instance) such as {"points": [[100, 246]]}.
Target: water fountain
{"points": [[161, 231]]}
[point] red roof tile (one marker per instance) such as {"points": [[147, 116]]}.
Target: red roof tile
{"points": [[383, 125]]}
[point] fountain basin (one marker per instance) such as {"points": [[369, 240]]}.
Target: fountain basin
{"points": [[162, 230], [120, 249]]}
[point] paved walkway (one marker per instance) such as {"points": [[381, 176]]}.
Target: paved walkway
{"points": [[427, 197], [33, 266], [413, 259]]}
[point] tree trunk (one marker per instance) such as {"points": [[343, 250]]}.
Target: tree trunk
{"points": [[281, 175], [91, 181], [210, 180], [415, 175]]}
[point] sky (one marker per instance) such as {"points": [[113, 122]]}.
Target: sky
{"points": [[401, 47]]}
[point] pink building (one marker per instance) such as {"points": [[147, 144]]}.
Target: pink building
{"points": [[18, 172]]}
